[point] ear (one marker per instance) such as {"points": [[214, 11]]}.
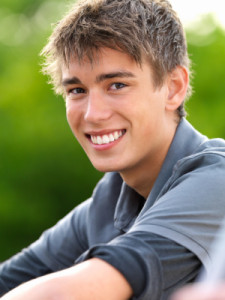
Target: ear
{"points": [[177, 82]]}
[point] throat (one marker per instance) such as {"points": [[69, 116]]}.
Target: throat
{"points": [[140, 183], [142, 177]]}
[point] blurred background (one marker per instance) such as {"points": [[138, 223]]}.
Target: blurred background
{"points": [[43, 171]]}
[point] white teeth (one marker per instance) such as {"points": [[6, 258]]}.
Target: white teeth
{"points": [[111, 137], [93, 139], [116, 135], [106, 139], [99, 140]]}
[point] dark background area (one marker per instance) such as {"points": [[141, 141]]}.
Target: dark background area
{"points": [[43, 171]]}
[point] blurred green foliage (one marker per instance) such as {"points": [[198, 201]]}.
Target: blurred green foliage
{"points": [[206, 108], [43, 171]]}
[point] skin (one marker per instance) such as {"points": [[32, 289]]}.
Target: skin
{"points": [[201, 292], [113, 94], [93, 279], [116, 94]]}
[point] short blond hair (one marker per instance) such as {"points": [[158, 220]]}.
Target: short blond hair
{"points": [[136, 27]]}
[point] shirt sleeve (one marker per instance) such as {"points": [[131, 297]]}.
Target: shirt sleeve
{"points": [[56, 249], [60, 245], [20, 268], [3, 288], [191, 207], [153, 265]]}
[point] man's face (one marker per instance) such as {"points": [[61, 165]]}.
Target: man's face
{"points": [[115, 112]]}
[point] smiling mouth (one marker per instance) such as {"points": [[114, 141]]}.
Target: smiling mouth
{"points": [[106, 138]]}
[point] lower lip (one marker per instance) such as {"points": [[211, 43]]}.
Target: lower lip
{"points": [[106, 146]]}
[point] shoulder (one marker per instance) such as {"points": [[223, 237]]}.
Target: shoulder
{"points": [[209, 155], [199, 177], [190, 207]]}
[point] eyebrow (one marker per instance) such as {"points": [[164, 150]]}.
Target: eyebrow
{"points": [[73, 80], [99, 78], [121, 74]]}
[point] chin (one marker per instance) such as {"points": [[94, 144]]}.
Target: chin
{"points": [[105, 168]]}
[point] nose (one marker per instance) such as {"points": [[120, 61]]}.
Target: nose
{"points": [[97, 108]]}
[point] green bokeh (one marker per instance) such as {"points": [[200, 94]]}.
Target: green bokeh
{"points": [[43, 171], [206, 107]]}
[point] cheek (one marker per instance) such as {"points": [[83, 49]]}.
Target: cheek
{"points": [[74, 123], [73, 114], [72, 119], [69, 116]]}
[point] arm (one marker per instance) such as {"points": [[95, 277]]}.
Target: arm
{"points": [[93, 279], [142, 268]]}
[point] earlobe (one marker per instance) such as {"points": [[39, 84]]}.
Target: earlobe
{"points": [[178, 81]]}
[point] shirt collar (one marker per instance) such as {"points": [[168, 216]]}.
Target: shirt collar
{"points": [[128, 207]]}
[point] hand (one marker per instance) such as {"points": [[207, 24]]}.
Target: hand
{"points": [[201, 291]]}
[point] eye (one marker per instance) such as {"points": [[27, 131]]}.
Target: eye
{"points": [[77, 90], [117, 86]]}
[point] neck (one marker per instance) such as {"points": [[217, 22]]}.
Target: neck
{"points": [[143, 175], [143, 178]]}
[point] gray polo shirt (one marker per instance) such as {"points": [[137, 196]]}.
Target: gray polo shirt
{"points": [[158, 243]]}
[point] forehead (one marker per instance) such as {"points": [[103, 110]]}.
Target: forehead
{"points": [[105, 60]]}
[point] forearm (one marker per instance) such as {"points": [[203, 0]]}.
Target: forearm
{"points": [[149, 263], [93, 279]]}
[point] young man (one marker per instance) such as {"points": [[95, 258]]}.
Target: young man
{"points": [[123, 68]]}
